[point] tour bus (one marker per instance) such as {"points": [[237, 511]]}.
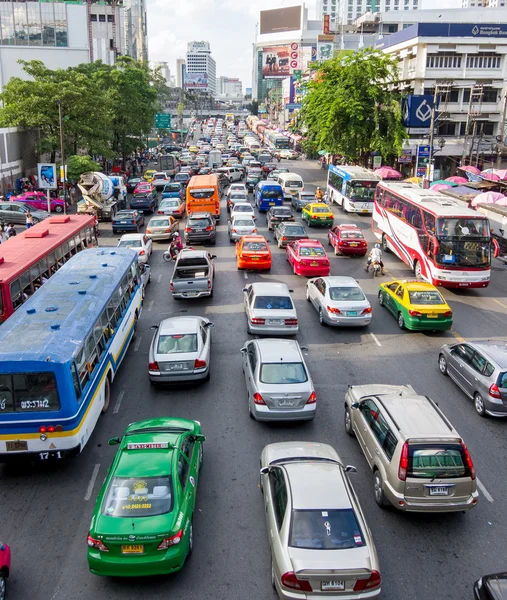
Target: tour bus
{"points": [[203, 195], [61, 353], [444, 242], [31, 257], [276, 140], [169, 164], [352, 188]]}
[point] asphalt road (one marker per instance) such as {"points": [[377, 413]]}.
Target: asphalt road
{"points": [[45, 513]]}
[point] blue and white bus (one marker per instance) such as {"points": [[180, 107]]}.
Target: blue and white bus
{"points": [[60, 354], [352, 188], [276, 140]]}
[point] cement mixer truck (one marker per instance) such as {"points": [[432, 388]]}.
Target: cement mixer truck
{"points": [[97, 190]]}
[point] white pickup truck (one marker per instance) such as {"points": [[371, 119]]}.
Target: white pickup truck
{"points": [[193, 274]]}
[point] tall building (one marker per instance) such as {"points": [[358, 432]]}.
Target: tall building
{"points": [[484, 4], [180, 72], [201, 68], [107, 31], [136, 29], [229, 86], [164, 71], [347, 11]]}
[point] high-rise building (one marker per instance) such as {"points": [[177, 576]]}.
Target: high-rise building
{"points": [[136, 29], [347, 11], [229, 86], [484, 4], [180, 72], [201, 68], [164, 71]]}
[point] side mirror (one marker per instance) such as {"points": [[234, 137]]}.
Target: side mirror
{"points": [[354, 405], [201, 438], [350, 469], [213, 256], [154, 327], [245, 289], [304, 348], [265, 470], [243, 350], [291, 291], [114, 441], [210, 324]]}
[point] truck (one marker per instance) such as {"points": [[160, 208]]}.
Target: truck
{"points": [[215, 159], [169, 164], [193, 274], [120, 190], [98, 194]]}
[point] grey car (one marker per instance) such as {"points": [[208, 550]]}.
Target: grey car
{"points": [[15, 213], [278, 214], [480, 370], [269, 309], [288, 232], [239, 226], [200, 228], [320, 542], [180, 350], [279, 385], [301, 199]]}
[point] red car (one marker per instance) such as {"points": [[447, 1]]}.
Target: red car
{"points": [[347, 240], [39, 201], [143, 187], [5, 567], [308, 258]]}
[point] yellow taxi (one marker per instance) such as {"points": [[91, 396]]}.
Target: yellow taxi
{"points": [[317, 214], [193, 149], [417, 305], [148, 175]]}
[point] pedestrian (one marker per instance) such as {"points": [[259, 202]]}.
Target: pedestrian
{"points": [[72, 196], [11, 232], [29, 220]]}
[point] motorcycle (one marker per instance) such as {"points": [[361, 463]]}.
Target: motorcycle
{"points": [[376, 268], [172, 253]]}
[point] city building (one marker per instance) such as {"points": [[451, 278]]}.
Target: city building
{"points": [[107, 31], [136, 28], [346, 11], [483, 3], [229, 86], [201, 70], [180, 72], [164, 71]]}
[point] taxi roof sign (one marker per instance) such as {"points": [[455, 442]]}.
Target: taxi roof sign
{"points": [[147, 446]]}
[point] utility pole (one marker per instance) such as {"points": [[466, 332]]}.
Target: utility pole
{"points": [[502, 131], [62, 157], [429, 173]]}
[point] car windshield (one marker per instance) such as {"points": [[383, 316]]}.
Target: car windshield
{"points": [[243, 208], [130, 244], [313, 251], [182, 177], [160, 176], [172, 187], [273, 302], [28, 392], [255, 246], [169, 204], [361, 191], [325, 530], [272, 194], [204, 222], [237, 196], [125, 215], [281, 212], [320, 209], [130, 497], [244, 223], [176, 344], [437, 461], [159, 223], [293, 183], [282, 373], [426, 297], [202, 193], [347, 294], [465, 228], [351, 235]]}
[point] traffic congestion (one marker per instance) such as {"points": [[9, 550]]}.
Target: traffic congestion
{"points": [[268, 380]]}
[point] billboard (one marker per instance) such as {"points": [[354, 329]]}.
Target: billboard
{"points": [[46, 173], [417, 110], [196, 81], [276, 61], [280, 19]]}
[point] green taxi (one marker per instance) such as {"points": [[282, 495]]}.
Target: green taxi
{"points": [[142, 522], [317, 214]]}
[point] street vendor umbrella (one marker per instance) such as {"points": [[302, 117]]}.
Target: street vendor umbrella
{"points": [[501, 202], [487, 198], [416, 180], [442, 182], [470, 169], [388, 173], [490, 176], [457, 179], [321, 152], [441, 186]]}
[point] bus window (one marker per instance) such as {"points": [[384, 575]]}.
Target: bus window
{"points": [[16, 294], [75, 381], [6, 395], [35, 391], [77, 242], [84, 374], [1, 303], [98, 334], [26, 285], [51, 260], [429, 222], [60, 251], [91, 353], [34, 272]]}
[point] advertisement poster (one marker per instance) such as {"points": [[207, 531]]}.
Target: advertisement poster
{"points": [[324, 51], [275, 61], [279, 20], [423, 160], [196, 81], [307, 56], [405, 156], [46, 173]]}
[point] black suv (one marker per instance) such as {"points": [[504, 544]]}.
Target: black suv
{"points": [[278, 214], [201, 228]]}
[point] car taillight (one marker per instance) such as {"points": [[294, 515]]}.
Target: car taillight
{"points": [[171, 541], [284, 238], [93, 543], [142, 253], [234, 231], [448, 313], [494, 391], [291, 321], [290, 580], [402, 469], [415, 313], [312, 399], [257, 321], [50, 429], [171, 286], [468, 460], [153, 366], [367, 584], [148, 231], [336, 311], [364, 244], [258, 399], [188, 229], [254, 230], [367, 311], [209, 228], [315, 217], [209, 284], [160, 212], [199, 364]]}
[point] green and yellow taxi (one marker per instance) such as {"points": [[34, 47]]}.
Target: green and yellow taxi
{"points": [[142, 522], [317, 214], [417, 305], [149, 174]]}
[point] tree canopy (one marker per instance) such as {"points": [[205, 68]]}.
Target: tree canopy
{"points": [[353, 107], [76, 165]]}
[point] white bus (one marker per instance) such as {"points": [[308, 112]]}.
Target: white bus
{"points": [[352, 188]]}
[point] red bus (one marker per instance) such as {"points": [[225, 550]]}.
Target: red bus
{"points": [[30, 258]]}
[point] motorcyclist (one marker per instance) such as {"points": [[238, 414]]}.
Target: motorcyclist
{"points": [[319, 194], [375, 256], [176, 245]]}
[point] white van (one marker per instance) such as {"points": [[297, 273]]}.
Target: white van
{"points": [[291, 183]]}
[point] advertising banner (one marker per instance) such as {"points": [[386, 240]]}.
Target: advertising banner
{"points": [[306, 53], [324, 51], [314, 53], [280, 19], [405, 156], [326, 23], [196, 81], [423, 160], [417, 110], [276, 61], [46, 173]]}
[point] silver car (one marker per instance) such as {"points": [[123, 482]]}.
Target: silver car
{"points": [[239, 226], [480, 370], [269, 309], [339, 301], [278, 383], [145, 274], [180, 350], [162, 228], [321, 546]]}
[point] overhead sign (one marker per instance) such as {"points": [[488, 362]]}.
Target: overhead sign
{"points": [[46, 172], [163, 121], [275, 61], [297, 74], [325, 38], [293, 106], [417, 109]]}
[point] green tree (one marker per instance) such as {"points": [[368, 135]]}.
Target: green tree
{"points": [[353, 107], [76, 165], [253, 107]]}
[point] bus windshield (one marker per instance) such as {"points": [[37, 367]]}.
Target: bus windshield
{"points": [[461, 253], [463, 228], [361, 191]]}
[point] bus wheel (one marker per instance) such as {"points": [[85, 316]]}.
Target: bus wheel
{"points": [[385, 247], [107, 395], [417, 269]]}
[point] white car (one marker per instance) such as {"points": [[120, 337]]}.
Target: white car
{"points": [[240, 226], [269, 309], [288, 154], [242, 209], [159, 180], [139, 242], [237, 187]]}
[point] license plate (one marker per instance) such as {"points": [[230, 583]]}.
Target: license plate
{"points": [[16, 446], [432, 316], [123, 222], [352, 244], [439, 491], [365, 210], [286, 402], [255, 258], [191, 293], [275, 322], [176, 367], [132, 549], [314, 264], [271, 204], [332, 585], [351, 313]]}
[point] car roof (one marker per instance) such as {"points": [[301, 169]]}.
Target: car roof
{"points": [[277, 350], [124, 211], [416, 286], [132, 236], [199, 215], [243, 204], [309, 242], [272, 288], [341, 280], [348, 226], [497, 351], [317, 485], [175, 325], [318, 204], [242, 217]]}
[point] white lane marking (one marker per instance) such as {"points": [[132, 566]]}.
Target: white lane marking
{"points": [[480, 485], [118, 402], [245, 275], [159, 278], [138, 344], [150, 306], [375, 339], [89, 489]]}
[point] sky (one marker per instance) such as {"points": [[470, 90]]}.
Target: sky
{"points": [[228, 25]]}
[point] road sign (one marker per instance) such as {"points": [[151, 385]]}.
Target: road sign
{"points": [[163, 121], [297, 74]]}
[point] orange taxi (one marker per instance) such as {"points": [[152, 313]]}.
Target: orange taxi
{"points": [[252, 252]]}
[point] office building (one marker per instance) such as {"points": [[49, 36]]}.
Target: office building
{"points": [[229, 86], [483, 4], [201, 70], [164, 71], [346, 11], [136, 29], [180, 71], [107, 31]]}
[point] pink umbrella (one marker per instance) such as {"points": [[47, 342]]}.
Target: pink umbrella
{"points": [[457, 179], [501, 202], [388, 173], [487, 198], [470, 169], [440, 186], [490, 176], [502, 173]]}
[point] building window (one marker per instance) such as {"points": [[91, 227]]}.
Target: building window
{"points": [[20, 24], [34, 24], [7, 20], [48, 24], [110, 18], [488, 95], [443, 61], [102, 18], [93, 17], [446, 128], [61, 24], [483, 61]]}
